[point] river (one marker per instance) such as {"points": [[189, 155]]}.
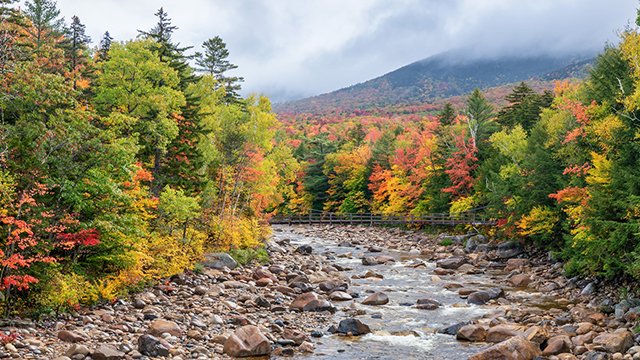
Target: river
{"points": [[399, 330]]}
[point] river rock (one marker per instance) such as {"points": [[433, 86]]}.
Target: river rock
{"points": [[520, 280], [152, 346], [340, 296], [619, 341], [508, 250], [159, 327], [332, 285], [303, 299], [77, 349], [372, 274], [105, 352], [298, 337], [427, 304], [262, 273], [304, 249], [377, 260], [588, 290], [352, 326], [70, 336], [557, 345], [247, 341], [513, 264], [515, 348], [484, 296], [452, 329], [318, 305], [451, 263], [378, 298], [219, 261], [472, 332], [375, 249], [502, 332]]}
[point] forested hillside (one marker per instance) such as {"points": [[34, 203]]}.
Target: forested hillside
{"points": [[557, 169], [124, 163], [442, 76]]}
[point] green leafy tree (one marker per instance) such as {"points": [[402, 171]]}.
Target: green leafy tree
{"points": [[137, 91]]}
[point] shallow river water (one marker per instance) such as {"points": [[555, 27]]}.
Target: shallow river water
{"points": [[399, 330]]}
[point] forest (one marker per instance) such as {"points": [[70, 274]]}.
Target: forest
{"points": [[125, 163], [558, 170]]}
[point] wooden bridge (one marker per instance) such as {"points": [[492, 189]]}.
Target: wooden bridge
{"points": [[472, 217]]}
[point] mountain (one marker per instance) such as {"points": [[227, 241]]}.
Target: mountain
{"points": [[440, 76]]}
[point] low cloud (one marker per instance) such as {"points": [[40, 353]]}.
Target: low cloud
{"points": [[289, 48]]}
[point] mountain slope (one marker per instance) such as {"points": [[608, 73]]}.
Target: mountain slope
{"points": [[438, 77]]}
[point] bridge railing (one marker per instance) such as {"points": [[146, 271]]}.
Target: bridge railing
{"points": [[320, 217]]}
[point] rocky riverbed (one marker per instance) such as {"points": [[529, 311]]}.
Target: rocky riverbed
{"points": [[352, 293]]}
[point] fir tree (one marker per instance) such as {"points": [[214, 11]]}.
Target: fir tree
{"points": [[76, 47], [182, 163], [105, 46], [447, 115], [46, 20], [215, 62]]}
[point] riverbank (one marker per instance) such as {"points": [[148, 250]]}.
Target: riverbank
{"points": [[417, 298]]}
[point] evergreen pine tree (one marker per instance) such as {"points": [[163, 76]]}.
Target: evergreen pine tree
{"points": [[105, 46], [447, 115], [183, 163], [76, 46], [214, 61], [45, 16]]}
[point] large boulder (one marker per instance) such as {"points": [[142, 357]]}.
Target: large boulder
{"points": [[152, 346], [219, 261], [619, 341], [515, 348], [353, 327], [247, 341], [452, 262], [484, 296], [378, 298]]}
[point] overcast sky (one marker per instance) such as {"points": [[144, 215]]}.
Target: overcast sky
{"points": [[295, 48]]}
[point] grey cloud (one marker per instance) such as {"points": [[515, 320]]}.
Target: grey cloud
{"points": [[294, 48]]}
